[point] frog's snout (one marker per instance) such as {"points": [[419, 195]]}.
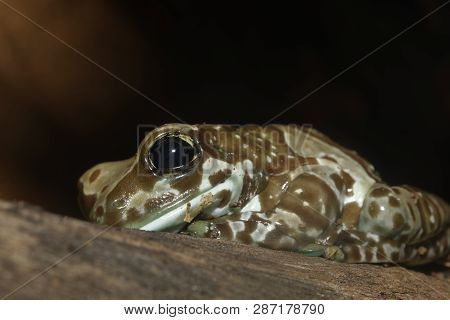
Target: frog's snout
{"points": [[86, 198], [96, 184]]}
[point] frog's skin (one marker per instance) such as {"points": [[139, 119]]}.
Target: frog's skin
{"points": [[281, 187]]}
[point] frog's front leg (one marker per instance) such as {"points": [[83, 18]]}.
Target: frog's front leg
{"points": [[257, 228], [254, 228], [292, 218]]}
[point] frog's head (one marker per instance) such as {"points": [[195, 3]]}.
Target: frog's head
{"points": [[179, 172]]}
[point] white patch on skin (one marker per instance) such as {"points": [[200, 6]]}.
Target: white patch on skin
{"points": [[253, 205], [373, 236], [388, 250], [286, 241], [210, 167], [354, 236], [313, 233], [268, 159], [247, 166], [246, 215], [259, 235], [138, 200], [362, 252], [287, 218], [432, 219], [163, 186], [373, 250], [236, 227]]}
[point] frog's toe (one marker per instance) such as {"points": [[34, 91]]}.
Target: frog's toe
{"points": [[318, 250], [205, 229], [198, 228], [313, 250], [334, 253]]}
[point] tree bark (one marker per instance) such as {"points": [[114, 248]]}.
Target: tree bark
{"points": [[48, 256]]}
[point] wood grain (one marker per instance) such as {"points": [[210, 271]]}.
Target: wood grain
{"points": [[113, 263]]}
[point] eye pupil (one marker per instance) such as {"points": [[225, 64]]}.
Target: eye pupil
{"points": [[171, 154]]}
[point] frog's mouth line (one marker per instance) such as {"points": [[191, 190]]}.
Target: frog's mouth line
{"points": [[180, 214]]}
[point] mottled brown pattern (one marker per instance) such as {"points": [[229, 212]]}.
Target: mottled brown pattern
{"points": [[306, 188]]}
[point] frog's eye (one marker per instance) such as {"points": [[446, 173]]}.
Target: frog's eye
{"points": [[173, 154]]}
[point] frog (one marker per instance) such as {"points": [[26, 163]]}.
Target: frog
{"points": [[278, 186]]}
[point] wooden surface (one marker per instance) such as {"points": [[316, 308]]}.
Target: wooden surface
{"points": [[128, 264]]}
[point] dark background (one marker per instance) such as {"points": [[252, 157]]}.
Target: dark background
{"points": [[218, 62]]}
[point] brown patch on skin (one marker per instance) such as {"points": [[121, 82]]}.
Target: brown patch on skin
{"points": [[399, 221], [244, 236], [104, 189], [369, 255], [113, 218], [348, 182], [381, 255], [275, 188], [311, 161], [224, 231], [99, 212], [380, 192], [338, 182], [250, 188], [308, 204], [424, 215], [273, 240], [87, 202], [374, 209], [131, 183], [159, 201], [219, 176], [422, 250], [394, 202], [133, 215], [225, 196], [411, 211], [94, 175], [330, 158], [191, 181], [350, 214], [352, 253], [395, 256], [396, 191]]}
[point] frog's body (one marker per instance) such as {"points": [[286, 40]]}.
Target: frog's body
{"points": [[281, 187]]}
